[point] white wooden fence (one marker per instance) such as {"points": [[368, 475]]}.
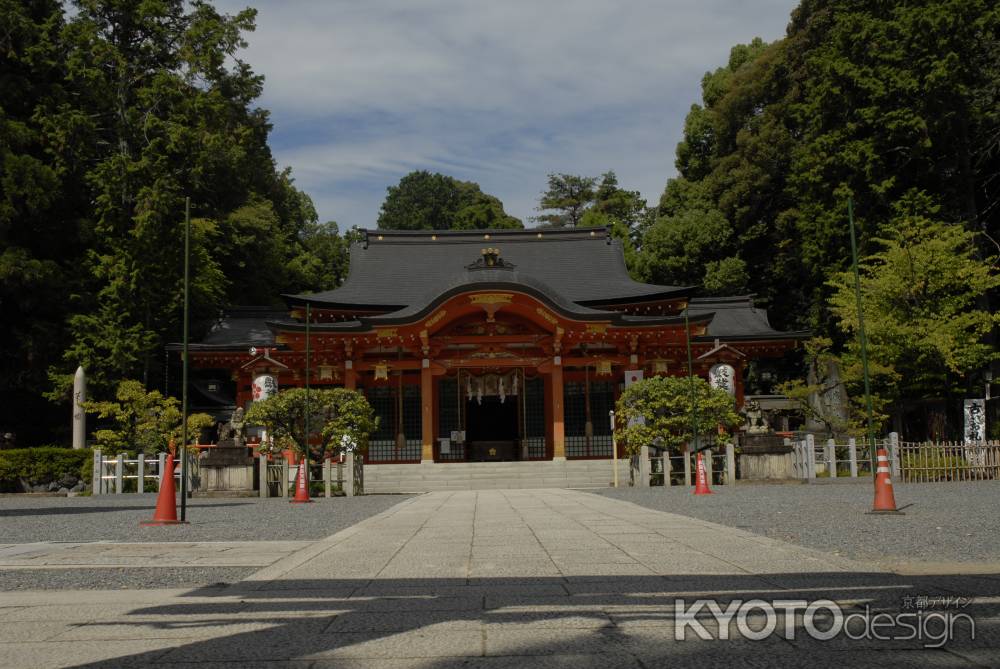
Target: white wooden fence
{"points": [[910, 462], [679, 468], [277, 476], [112, 473], [813, 458]]}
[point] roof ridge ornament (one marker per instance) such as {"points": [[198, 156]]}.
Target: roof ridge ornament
{"points": [[490, 259]]}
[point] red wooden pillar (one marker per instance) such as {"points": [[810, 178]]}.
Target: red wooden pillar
{"points": [[558, 422], [427, 412]]}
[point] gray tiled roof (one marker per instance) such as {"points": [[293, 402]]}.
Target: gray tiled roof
{"points": [[735, 318], [397, 269], [239, 327]]}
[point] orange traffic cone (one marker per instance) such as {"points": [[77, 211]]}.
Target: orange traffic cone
{"points": [[701, 477], [166, 502], [301, 485], [885, 500]]}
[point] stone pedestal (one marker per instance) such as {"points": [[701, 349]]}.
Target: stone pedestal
{"points": [[765, 456], [228, 466]]}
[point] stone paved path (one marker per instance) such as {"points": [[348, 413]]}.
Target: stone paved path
{"points": [[532, 578]]}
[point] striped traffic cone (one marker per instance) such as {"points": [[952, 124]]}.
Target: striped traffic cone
{"points": [[701, 477], [166, 501], [301, 485], [885, 500]]}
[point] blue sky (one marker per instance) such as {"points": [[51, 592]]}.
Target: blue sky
{"points": [[500, 93]]}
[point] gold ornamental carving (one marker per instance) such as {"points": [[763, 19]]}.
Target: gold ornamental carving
{"points": [[597, 328], [546, 315], [491, 298], [386, 333], [435, 319]]}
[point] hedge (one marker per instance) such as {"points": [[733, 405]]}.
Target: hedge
{"points": [[45, 464]]}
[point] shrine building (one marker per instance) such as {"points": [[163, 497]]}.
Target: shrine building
{"points": [[472, 346]]}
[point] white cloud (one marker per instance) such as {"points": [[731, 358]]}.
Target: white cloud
{"points": [[499, 93]]}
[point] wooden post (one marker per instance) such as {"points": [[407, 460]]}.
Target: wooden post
{"points": [[140, 471], [96, 482], [644, 466], [349, 475], [707, 457], [852, 454], [262, 474], [161, 470], [730, 464], [558, 424], [119, 474], [426, 413], [831, 458], [894, 454], [666, 469], [327, 483], [810, 457], [284, 476], [350, 376], [687, 467]]}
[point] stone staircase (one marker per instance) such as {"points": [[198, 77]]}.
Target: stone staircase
{"points": [[428, 477]]}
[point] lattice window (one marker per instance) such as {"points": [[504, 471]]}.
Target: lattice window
{"points": [[383, 401], [534, 409], [412, 416], [449, 418], [536, 447], [574, 410], [602, 401], [602, 398]]}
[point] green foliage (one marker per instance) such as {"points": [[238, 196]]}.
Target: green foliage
{"points": [[921, 289], [425, 201], [577, 201], [144, 421], [334, 414], [568, 198], [657, 411], [692, 248], [786, 131], [112, 113], [43, 465]]}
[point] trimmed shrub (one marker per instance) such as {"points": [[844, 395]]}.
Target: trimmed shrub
{"points": [[35, 466]]}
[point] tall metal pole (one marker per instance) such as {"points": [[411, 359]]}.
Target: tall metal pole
{"points": [[694, 404], [184, 362], [864, 338], [305, 454]]}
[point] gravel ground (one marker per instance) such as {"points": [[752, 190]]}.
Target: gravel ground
{"points": [[130, 578], [943, 522], [117, 518]]}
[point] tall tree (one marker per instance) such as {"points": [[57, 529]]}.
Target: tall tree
{"points": [[112, 114], [567, 199], [786, 131], [426, 201], [920, 287]]}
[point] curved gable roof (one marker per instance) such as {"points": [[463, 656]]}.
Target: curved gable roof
{"points": [[398, 270]]}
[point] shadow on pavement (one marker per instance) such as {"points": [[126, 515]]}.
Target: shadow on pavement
{"points": [[606, 621], [72, 510]]}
